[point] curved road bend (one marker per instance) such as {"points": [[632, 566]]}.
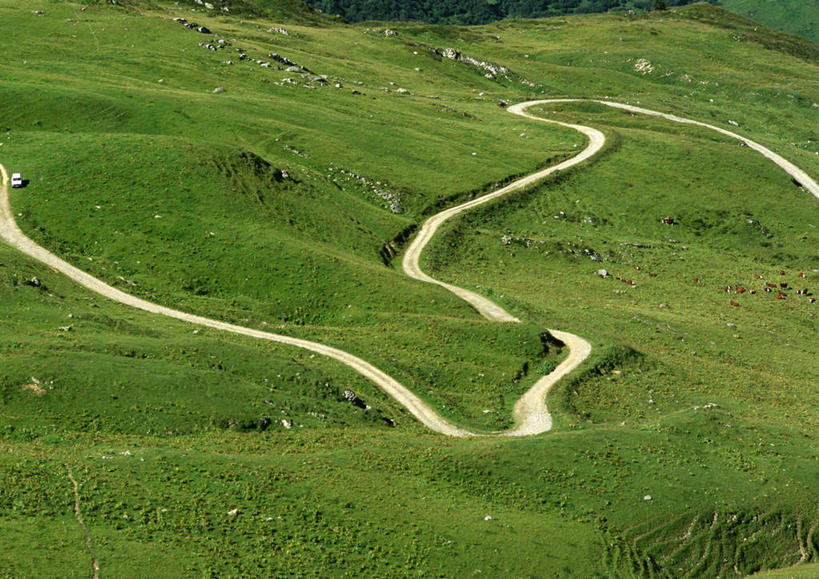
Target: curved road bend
{"points": [[531, 414]]}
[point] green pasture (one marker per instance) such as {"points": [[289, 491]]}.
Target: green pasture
{"points": [[263, 196], [800, 18]]}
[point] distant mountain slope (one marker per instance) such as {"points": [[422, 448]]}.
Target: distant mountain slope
{"points": [[292, 11], [794, 16], [475, 11]]}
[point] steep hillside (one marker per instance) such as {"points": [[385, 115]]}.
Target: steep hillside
{"points": [[793, 16], [269, 170]]}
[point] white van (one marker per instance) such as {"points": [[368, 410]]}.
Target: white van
{"points": [[16, 180]]}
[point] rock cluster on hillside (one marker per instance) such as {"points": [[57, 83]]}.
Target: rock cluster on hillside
{"points": [[378, 188], [492, 70]]}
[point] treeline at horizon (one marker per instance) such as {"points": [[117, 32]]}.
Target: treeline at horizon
{"points": [[477, 11]]}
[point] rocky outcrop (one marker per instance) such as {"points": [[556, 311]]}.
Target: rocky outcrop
{"points": [[490, 70]]}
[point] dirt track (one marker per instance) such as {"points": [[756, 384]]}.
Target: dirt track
{"points": [[531, 415], [12, 234]]}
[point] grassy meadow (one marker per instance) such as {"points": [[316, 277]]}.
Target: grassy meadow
{"points": [[280, 197], [800, 18]]}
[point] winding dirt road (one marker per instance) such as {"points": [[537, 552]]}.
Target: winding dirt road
{"points": [[530, 412], [10, 233]]}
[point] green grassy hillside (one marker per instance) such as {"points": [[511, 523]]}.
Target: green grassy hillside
{"points": [[794, 16], [280, 197], [810, 570]]}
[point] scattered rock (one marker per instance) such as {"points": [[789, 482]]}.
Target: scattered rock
{"points": [[282, 60], [34, 387], [290, 148], [643, 66], [353, 399], [602, 273], [647, 498], [450, 53], [492, 70], [379, 188]]}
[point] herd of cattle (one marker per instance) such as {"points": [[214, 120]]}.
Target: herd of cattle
{"points": [[781, 289], [769, 287], [738, 289]]}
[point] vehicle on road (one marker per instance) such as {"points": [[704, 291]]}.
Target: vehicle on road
{"points": [[16, 180]]}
